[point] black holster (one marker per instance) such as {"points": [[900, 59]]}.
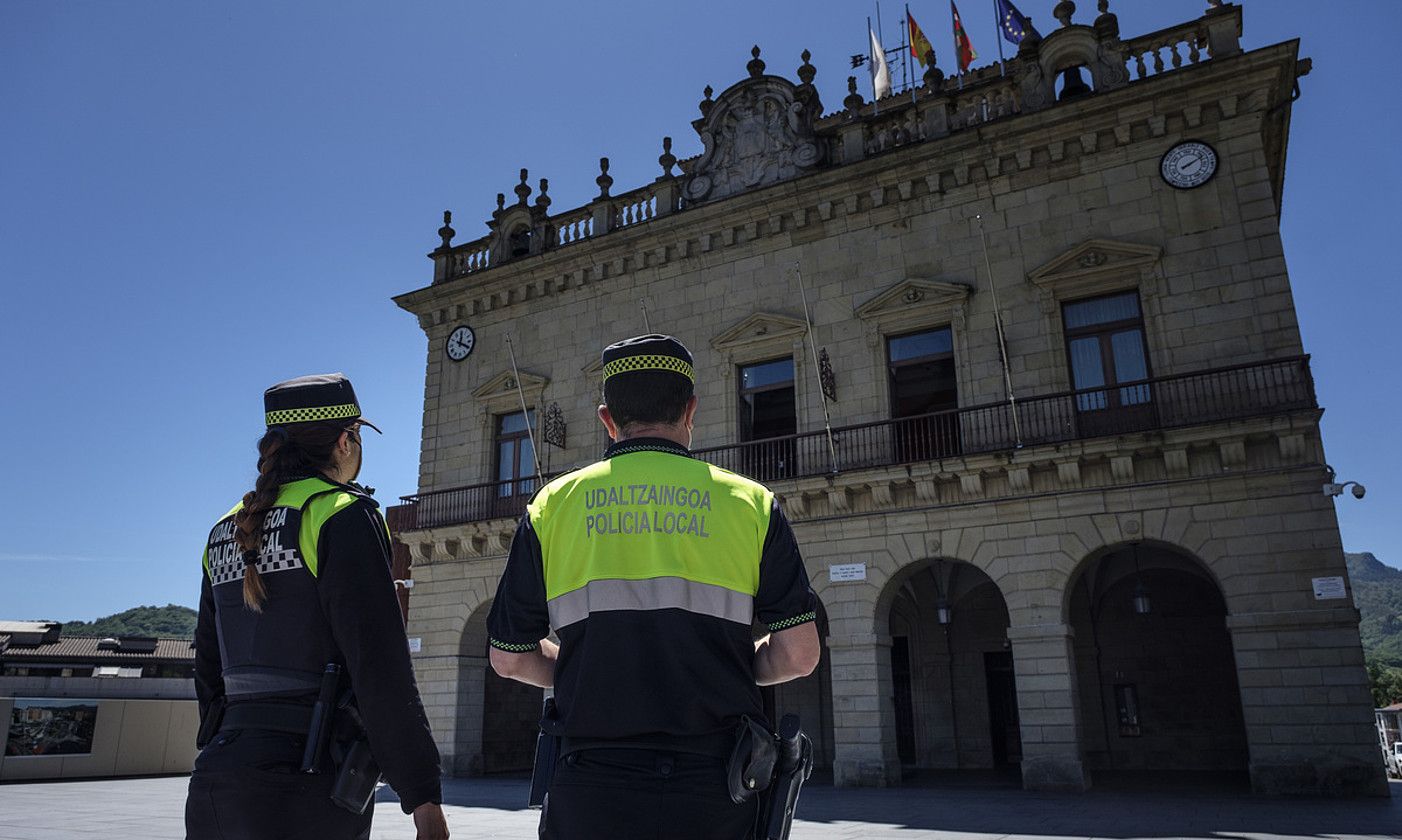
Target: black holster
{"points": [[357, 772], [547, 753], [795, 765]]}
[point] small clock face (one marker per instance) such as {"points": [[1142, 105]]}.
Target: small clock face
{"points": [[460, 343], [1189, 164]]}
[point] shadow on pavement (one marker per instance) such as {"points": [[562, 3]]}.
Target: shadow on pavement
{"points": [[993, 808]]}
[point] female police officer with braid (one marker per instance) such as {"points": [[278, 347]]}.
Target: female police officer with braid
{"points": [[297, 607]]}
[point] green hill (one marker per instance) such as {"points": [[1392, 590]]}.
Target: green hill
{"points": [[1377, 592], [169, 622]]}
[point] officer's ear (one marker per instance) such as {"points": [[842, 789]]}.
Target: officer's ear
{"points": [[689, 413], [607, 419]]}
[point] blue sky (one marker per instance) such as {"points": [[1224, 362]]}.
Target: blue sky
{"points": [[199, 199]]}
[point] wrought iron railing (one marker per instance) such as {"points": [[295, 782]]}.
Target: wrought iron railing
{"points": [[1211, 396]]}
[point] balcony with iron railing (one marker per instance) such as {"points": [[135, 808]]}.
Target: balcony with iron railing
{"points": [[1211, 396]]}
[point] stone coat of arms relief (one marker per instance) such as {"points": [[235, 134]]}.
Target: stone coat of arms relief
{"points": [[757, 134]]}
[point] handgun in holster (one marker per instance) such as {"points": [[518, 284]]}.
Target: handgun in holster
{"points": [[794, 766], [212, 720], [547, 753], [357, 772]]}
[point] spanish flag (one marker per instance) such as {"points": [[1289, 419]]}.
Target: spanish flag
{"points": [[963, 47], [919, 44]]}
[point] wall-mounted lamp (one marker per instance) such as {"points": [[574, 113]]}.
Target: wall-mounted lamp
{"points": [[942, 612], [1141, 595]]}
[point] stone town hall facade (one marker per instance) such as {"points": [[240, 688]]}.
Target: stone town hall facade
{"points": [[1112, 571]]}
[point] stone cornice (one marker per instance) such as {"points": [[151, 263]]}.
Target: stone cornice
{"points": [[1205, 94]]}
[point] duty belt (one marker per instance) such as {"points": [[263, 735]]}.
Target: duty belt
{"points": [[271, 717], [718, 745]]}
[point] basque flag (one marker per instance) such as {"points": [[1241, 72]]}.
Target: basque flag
{"points": [[1013, 24], [963, 47]]}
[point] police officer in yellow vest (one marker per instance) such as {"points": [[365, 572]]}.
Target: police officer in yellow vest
{"points": [[301, 664], [651, 568]]}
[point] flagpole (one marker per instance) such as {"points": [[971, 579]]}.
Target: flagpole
{"points": [[525, 414], [998, 31], [817, 369], [871, 63], [642, 304], [1002, 340], [910, 36]]}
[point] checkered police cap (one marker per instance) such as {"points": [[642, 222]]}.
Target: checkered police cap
{"points": [[308, 399], [647, 353]]}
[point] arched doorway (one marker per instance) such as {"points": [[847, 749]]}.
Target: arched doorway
{"points": [[497, 718], [952, 686], [1155, 668], [811, 699]]}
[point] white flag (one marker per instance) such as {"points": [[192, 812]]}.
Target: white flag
{"points": [[880, 72]]}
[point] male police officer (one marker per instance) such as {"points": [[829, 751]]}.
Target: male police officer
{"points": [[651, 567]]}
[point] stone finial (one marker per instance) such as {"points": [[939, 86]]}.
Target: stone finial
{"points": [[501, 202], [754, 65], [667, 159], [806, 71], [707, 103], [1030, 42], [1107, 25], [1063, 12], [543, 200], [523, 190], [853, 100], [604, 180], [446, 233], [934, 76], [1214, 4]]}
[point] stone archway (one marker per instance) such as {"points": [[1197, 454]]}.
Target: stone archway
{"points": [[1155, 666], [952, 693], [811, 699], [497, 718]]}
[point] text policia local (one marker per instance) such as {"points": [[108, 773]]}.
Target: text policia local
{"points": [[647, 519]]}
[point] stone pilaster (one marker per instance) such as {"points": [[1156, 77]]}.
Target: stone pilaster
{"points": [[1048, 707], [863, 717], [1306, 703]]}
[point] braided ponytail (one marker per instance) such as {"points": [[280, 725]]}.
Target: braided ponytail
{"points": [[283, 455], [249, 519]]}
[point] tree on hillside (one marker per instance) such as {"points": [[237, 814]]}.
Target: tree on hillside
{"points": [[1386, 683], [169, 622]]}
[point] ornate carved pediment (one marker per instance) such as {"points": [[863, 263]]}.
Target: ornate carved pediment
{"points": [[760, 328], [913, 297], [758, 132], [498, 394], [1085, 266]]}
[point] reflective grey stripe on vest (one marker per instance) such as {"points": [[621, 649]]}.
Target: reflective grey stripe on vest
{"points": [[660, 593], [267, 681]]}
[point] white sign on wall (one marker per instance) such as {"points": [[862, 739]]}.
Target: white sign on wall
{"points": [[1329, 588], [847, 572], [416, 644]]}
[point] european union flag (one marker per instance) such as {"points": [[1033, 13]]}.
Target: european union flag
{"points": [[1013, 24]]}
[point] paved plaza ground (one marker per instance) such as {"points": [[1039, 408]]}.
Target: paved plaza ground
{"points": [[150, 809]]}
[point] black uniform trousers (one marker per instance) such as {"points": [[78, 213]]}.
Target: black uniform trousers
{"points": [[628, 794], [247, 786]]}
